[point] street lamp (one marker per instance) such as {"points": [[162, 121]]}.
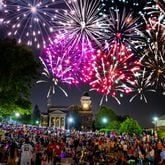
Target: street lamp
{"points": [[17, 114], [155, 122], [37, 122], [104, 120], [70, 121]]}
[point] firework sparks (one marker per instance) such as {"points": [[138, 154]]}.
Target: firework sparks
{"points": [[156, 10], [69, 65], [54, 83], [1, 5], [123, 28], [82, 21], [153, 61], [31, 21], [140, 86], [2, 16], [112, 72]]}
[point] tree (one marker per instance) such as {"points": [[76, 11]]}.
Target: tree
{"points": [[36, 115], [130, 126], [18, 70], [105, 113], [114, 125]]}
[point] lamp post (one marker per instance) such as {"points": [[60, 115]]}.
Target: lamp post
{"points": [[17, 115], [70, 121], [37, 122], [155, 122], [104, 120]]}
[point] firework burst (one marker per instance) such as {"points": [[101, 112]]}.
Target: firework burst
{"points": [[70, 65], [156, 10], [31, 21], [82, 21], [153, 61], [123, 28], [112, 72], [140, 86], [54, 83]]}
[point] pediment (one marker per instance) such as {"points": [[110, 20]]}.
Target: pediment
{"points": [[56, 112]]}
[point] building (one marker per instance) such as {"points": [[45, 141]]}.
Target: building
{"points": [[160, 123], [86, 112], [60, 116]]}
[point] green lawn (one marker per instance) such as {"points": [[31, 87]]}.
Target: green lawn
{"points": [[161, 134]]}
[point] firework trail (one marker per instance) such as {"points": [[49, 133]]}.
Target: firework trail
{"points": [[54, 83], [140, 86]]}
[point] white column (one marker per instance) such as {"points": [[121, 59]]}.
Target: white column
{"points": [[50, 120], [59, 121], [64, 121]]}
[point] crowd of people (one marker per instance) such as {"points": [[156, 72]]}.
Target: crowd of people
{"points": [[29, 145]]}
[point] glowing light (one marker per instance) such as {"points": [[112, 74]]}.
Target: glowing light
{"points": [[33, 9], [85, 106]]}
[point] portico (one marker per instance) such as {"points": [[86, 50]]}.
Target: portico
{"points": [[57, 119]]}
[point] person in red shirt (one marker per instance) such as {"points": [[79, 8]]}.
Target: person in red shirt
{"points": [[50, 151], [57, 152]]}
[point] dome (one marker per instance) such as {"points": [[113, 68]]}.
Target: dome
{"points": [[86, 94]]}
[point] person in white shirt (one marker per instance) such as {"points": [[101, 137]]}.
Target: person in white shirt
{"points": [[26, 153], [162, 155]]}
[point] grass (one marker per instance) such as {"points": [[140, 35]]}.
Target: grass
{"points": [[161, 133]]}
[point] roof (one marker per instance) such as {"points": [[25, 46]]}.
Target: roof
{"points": [[162, 117], [85, 94]]}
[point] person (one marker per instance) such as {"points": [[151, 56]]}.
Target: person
{"points": [[26, 153], [12, 158], [44, 158], [162, 156]]}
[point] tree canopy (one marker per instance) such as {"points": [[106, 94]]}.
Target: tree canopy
{"points": [[130, 126], [18, 70], [105, 113], [36, 114]]}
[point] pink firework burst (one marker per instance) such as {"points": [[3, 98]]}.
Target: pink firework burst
{"points": [[113, 72], [68, 64]]}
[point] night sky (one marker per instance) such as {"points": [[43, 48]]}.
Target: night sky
{"points": [[139, 110]]}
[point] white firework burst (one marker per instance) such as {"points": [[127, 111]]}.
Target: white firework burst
{"points": [[123, 27], [54, 82], [31, 21], [82, 21], [140, 86]]}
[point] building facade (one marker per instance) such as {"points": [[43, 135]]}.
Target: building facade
{"points": [[160, 124], [60, 116]]}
